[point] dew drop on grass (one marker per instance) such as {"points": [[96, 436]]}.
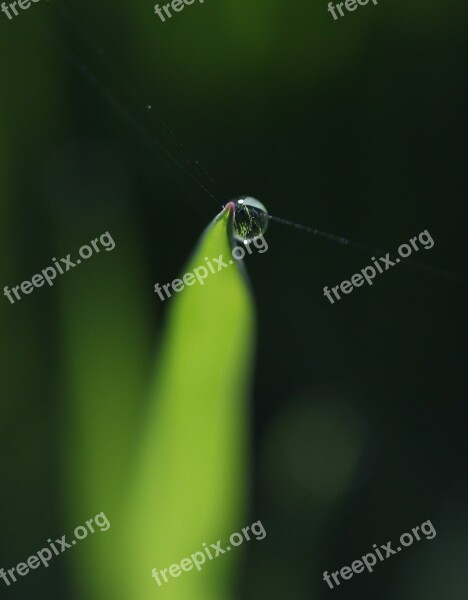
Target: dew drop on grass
{"points": [[250, 219]]}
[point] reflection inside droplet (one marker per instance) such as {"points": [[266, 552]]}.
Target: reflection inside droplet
{"points": [[250, 219]]}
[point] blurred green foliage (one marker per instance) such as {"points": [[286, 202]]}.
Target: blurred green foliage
{"points": [[171, 472], [352, 126]]}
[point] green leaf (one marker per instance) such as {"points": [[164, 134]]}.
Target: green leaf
{"points": [[190, 482], [106, 351]]}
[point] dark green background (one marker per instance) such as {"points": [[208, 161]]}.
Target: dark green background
{"points": [[357, 127]]}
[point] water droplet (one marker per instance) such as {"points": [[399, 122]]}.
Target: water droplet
{"points": [[250, 219], [149, 107]]}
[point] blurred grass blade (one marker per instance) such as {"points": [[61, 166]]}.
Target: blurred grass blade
{"points": [[190, 482], [107, 350]]}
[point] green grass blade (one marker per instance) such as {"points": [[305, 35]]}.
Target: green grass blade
{"points": [[190, 483], [107, 346]]}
